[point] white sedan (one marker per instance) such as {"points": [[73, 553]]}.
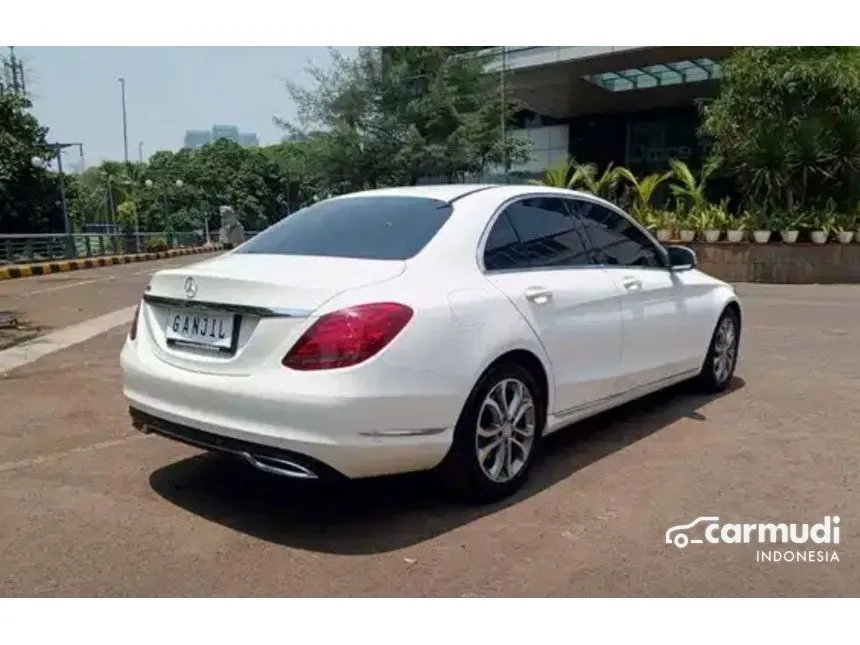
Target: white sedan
{"points": [[445, 328]]}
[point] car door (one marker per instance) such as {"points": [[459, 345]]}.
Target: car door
{"points": [[658, 338], [536, 254]]}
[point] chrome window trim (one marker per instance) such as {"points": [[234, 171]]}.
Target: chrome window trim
{"points": [[482, 240]]}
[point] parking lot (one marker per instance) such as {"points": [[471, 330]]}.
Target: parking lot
{"points": [[90, 508]]}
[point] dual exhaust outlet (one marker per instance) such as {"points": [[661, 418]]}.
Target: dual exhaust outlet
{"points": [[270, 465]]}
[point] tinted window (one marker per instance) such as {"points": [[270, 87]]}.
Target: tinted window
{"points": [[548, 233], [616, 240], [373, 228], [503, 249]]}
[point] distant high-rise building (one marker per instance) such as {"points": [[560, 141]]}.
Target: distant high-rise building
{"points": [[199, 138], [248, 140], [196, 138], [225, 132]]}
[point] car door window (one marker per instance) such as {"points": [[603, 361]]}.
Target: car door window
{"points": [[503, 250], [616, 240], [548, 233]]}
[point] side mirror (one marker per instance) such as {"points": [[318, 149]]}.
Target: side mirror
{"points": [[681, 258]]}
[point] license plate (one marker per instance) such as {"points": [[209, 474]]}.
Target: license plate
{"points": [[205, 329]]}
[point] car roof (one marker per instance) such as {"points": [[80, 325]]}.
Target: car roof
{"points": [[445, 192], [451, 192]]}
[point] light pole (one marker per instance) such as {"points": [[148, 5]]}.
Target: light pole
{"points": [[140, 151], [178, 183], [40, 163], [124, 122], [503, 107]]}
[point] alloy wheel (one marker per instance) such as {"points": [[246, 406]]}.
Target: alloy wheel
{"points": [[506, 430], [725, 350]]}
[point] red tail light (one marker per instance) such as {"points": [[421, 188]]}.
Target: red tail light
{"points": [[132, 332], [348, 337]]}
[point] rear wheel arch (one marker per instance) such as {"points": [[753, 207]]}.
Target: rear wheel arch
{"points": [[462, 470], [735, 308], [530, 361]]}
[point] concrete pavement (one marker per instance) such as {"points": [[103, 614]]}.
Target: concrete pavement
{"points": [[88, 507]]}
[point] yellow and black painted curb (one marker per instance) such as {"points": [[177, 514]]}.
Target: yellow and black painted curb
{"points": [[62, 266]]}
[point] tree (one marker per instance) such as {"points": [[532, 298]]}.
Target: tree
{"points": [[787, 122], [394, 115], [29, 196]]}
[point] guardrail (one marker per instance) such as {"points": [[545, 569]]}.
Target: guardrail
{"points": [[22, 249]]}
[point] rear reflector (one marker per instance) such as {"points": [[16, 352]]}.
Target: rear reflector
{"points": [[132, 331], [348, 337]]}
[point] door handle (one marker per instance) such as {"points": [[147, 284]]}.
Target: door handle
{"points": [[538, 295], [631, 284]]}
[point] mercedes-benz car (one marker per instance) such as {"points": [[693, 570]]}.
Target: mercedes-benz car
{"points": [[429, 328]]}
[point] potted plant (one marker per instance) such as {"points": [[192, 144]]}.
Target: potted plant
{"points": [[822, 223], [846, 223], [687, 223], [760, 223], [789, 226], [736, 226], [666, 222], [715, 221], [659, 223]]}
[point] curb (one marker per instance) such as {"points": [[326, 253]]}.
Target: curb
{"points": [[63, 266]]}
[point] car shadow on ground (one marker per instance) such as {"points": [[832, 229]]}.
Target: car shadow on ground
{"points": [[386, 514]]}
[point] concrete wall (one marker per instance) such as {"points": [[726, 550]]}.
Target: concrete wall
{"points": [[781, 263]]}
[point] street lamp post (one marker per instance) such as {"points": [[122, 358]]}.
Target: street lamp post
{"points": [[124, 122], [40, 163], [178, 183]]}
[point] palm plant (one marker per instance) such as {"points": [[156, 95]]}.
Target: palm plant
{"points": [[566, 175], [643, 189], [603, 185], [690, 190]]}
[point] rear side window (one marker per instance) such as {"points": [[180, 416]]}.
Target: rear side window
{"points": [[503, 250], [368, 228], [548, 232]]}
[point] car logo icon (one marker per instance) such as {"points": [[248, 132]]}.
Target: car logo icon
{"points": [[190, 287], [677, 535]]}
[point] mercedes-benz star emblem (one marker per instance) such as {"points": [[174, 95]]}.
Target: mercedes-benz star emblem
{"points": [[190, 288]]}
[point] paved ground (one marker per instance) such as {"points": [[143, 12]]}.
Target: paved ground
{"points": [[87, 507]]}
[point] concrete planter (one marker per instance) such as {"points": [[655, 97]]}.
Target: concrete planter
{"points": [[664, 235], [789, 237], [712, 236], [687, 236], [735, 236], [761, 237], [781, 263], [819, 237], [845, 237]]}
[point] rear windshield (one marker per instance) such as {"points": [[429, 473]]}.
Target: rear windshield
{"points": [[370, 228]]}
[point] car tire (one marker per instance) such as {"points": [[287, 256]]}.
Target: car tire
{"points": [[716, 374], [465, 475]]}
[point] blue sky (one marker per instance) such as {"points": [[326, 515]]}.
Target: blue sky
{"points": [[168, 90]]}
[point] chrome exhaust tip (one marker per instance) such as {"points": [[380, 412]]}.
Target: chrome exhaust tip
{"points": [[141, 427], [281, 467]]}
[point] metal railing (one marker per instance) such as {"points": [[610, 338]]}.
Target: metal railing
{"points": [[21, 249]]}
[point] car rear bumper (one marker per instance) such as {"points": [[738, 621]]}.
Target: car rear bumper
{"points": [[310, 434], [266, 458]]}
